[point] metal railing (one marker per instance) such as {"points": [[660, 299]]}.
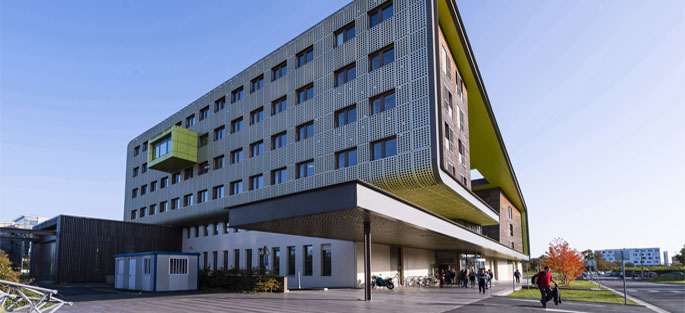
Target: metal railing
{"points": [[16, 297]]}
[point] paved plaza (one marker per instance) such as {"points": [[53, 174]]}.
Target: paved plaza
{"points": [[93, 300]]}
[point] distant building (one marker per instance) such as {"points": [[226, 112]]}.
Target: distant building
{"points": [[15, 242], [667, 261], [637, 256]]}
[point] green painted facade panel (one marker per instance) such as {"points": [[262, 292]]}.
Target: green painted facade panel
{"points": [[183, 150]]}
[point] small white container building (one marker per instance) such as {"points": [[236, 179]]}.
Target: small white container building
{"points": [[157, 271]]}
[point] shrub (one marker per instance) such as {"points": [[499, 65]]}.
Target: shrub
{"points": [[6, 271], [238, 280]]}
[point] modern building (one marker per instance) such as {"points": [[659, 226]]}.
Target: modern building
{"points": [[667, 261], [16, 241], [358, 135], [637, 256]]}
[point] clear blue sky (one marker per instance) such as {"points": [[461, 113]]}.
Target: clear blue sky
{"points": [[588, 95]]}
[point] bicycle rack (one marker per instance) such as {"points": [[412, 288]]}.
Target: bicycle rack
{"points": [[14, 298]]}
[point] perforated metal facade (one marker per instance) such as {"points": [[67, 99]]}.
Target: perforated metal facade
{"points": [[411, 174]]}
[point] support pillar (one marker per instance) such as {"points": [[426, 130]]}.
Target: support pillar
{"points": [[367, 261]]}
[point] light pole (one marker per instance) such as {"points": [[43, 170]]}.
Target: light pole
{"points": [[623, 268]]}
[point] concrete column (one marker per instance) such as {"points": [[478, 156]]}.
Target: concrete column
{"points": [[367, 261]]}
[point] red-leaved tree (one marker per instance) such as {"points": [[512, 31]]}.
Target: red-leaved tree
{"points": [[567, 262]]}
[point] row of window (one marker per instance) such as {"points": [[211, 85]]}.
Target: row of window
{"points": [[275, 258], [379, 149]]}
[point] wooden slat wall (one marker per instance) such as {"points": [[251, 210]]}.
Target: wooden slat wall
{"points": [[87, 246]]}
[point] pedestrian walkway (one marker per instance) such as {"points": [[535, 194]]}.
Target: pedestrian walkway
{"points": [[411, 299]]}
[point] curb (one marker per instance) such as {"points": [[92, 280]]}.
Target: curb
{"points": [[507, 292], [649, 306]]}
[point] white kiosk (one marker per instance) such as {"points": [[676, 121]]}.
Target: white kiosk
{"points": [[157, 271]]}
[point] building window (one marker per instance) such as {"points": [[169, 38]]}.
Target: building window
{"points": [[188, 200], [197, 231], [383, 148], [257, 83], [175, 178], [308, 258], [190, 120], [382, 102], [276, 262], [202, 196], [236, 156], [215, 259], [143, 190], [153, 209], [188, 173], [279, 105], [291, 261], [511, 230], [279, 71], [344, 34], [346, 158], [445, 63], [305, 130], [236, 187], [381, 57], [257, 148], [217, 227], [346, 115], [448, 102], [237, 94], [142, 212], [511, 244], [206, 229], [219, 162], [463, 179], [326, 260], [163, 207], [236, 258], [305, 169], [256, 116], [179, 124], [143, 168], [202, 140], [305, 56], [145, 146], [462, 153], [305, 93], [236, 125], [461, 119], [380, 13], [219, 133], [227, 225], [449, 142], [345, 74], [218, 192], [204, 113], [450, 168], [256, 182], [225, 260], [203, 168], [178, 265], [248, 258], [219, 104], [134, 193], [153, 186], [135, 171], [136, 151], [175, 203], [509, 212], [133, 214], [279, 176], [279, 140]]}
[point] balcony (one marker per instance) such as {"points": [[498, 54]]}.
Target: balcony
{"points": [[172, 150]]}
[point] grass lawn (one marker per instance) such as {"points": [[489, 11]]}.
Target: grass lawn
{"points": [[605, 296]]}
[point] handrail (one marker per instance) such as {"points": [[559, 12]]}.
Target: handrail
{"points": [[16, 297]]}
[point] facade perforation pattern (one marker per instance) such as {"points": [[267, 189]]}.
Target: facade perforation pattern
{"points": [[407, 174]]}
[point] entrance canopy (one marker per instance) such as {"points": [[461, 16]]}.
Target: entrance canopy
{"points": [[339, 212]]}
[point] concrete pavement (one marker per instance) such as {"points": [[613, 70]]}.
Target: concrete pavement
{"points": [[521, 305], [669, 297]]}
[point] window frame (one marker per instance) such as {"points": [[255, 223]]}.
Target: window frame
{"points": [[219, 104], [384, 153], [255, 113], [304, 52], [238, 122], [379, 10], [219, 158], [346, 110], [382, 97], [381, 55], [278, 103], [281, 69], [237, 94], [304, 89], [304, 164], [344, 32], [298, 136], [236, 152], [204, 113], [346, 153], [259, 81], [279, 172], [280, 138], [258, 179], [256, 143], [233, 184], [345, 70], [219, 132]]}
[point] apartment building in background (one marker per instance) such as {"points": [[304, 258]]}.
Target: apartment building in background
{"points": [[380, 103], [637, 256]]}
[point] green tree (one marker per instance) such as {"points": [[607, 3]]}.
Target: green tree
{"points": [[679, 258], [6, 271], [602, 264]]}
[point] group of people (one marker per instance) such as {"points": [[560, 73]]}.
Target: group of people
{"points": [[464, 277]]}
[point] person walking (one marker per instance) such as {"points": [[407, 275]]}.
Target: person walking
{"points": [[482, 280], [490, 277], [517, 275], [543, 279], [465, 279], [472, 277]]}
